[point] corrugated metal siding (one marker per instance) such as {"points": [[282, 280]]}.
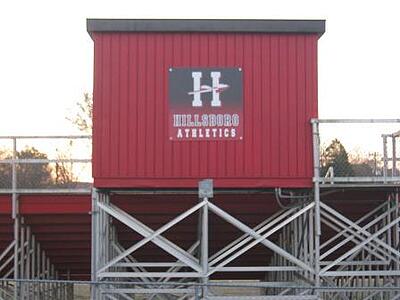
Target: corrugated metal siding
{"points": [[131, 145]]}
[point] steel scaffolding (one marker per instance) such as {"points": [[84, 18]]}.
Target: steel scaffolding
{"points": [[303, 264], [361, 258], [316, 249]]}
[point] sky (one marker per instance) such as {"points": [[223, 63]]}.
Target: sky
{"points": [[46, 55]]}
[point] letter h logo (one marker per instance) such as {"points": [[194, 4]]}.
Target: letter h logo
{"points": [[199, 89]]}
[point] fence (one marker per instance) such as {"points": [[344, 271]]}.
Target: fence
{"points": [[37, 164]]}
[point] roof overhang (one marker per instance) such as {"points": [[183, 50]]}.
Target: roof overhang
{"points": [[207, 25]]}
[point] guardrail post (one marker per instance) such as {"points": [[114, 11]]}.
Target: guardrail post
{"points": [[385, 158], [394, 158], [14, 178]]}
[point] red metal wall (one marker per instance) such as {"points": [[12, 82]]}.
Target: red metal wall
{"points": [[130, 135]]}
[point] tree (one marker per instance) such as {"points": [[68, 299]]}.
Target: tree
{"points": [[63, 171], [36, 174], [335, 156], [29, 175], [82, 117], [33, 175], [5, 171]]}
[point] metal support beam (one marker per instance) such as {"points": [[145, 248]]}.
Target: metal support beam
{"points": [[296, 258], [204, 246], [94, 242], [317, 214], [120, 265]]}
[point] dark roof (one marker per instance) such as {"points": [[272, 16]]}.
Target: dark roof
{"points": [[203, 25]]}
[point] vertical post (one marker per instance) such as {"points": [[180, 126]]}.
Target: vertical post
{"points": [[48, 277], [28, 252], [305, 242], [196, 292], [33, 266], [394, 162], [70, 287], [317, 216], [311, 240], [385, 158], [204, 246], [388, 220], [58, 288], [38, 270], [296, 238], [28, 259], [205, 192], [15, 216], [16, 255], [281, 238], [43, 268], [62, 291], [22, 259], [53, 284], [106, 233], [14, 179], [397, 233], [99, 240], [94, 243], [106, 239]]}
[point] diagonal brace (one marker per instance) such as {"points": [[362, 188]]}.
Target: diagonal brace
{"points": [[355, 249], [145, 231], [260, 238], [359, 228], [152, 236]]}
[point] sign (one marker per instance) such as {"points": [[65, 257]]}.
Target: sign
{"points": [[205, 104]]}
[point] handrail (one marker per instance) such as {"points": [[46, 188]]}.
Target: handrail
{"points": [[14, 161], [387, 176]]}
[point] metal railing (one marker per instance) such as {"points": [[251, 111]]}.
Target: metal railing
{"points": [[63, 289], [52, 169], [350, 151], [45, 164], [356, 151]]}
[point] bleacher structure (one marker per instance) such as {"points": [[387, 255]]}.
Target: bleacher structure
{"points": [[213, 177], [339, 240]]}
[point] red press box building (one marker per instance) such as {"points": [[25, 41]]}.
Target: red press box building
{"points": [[180, 100]]}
